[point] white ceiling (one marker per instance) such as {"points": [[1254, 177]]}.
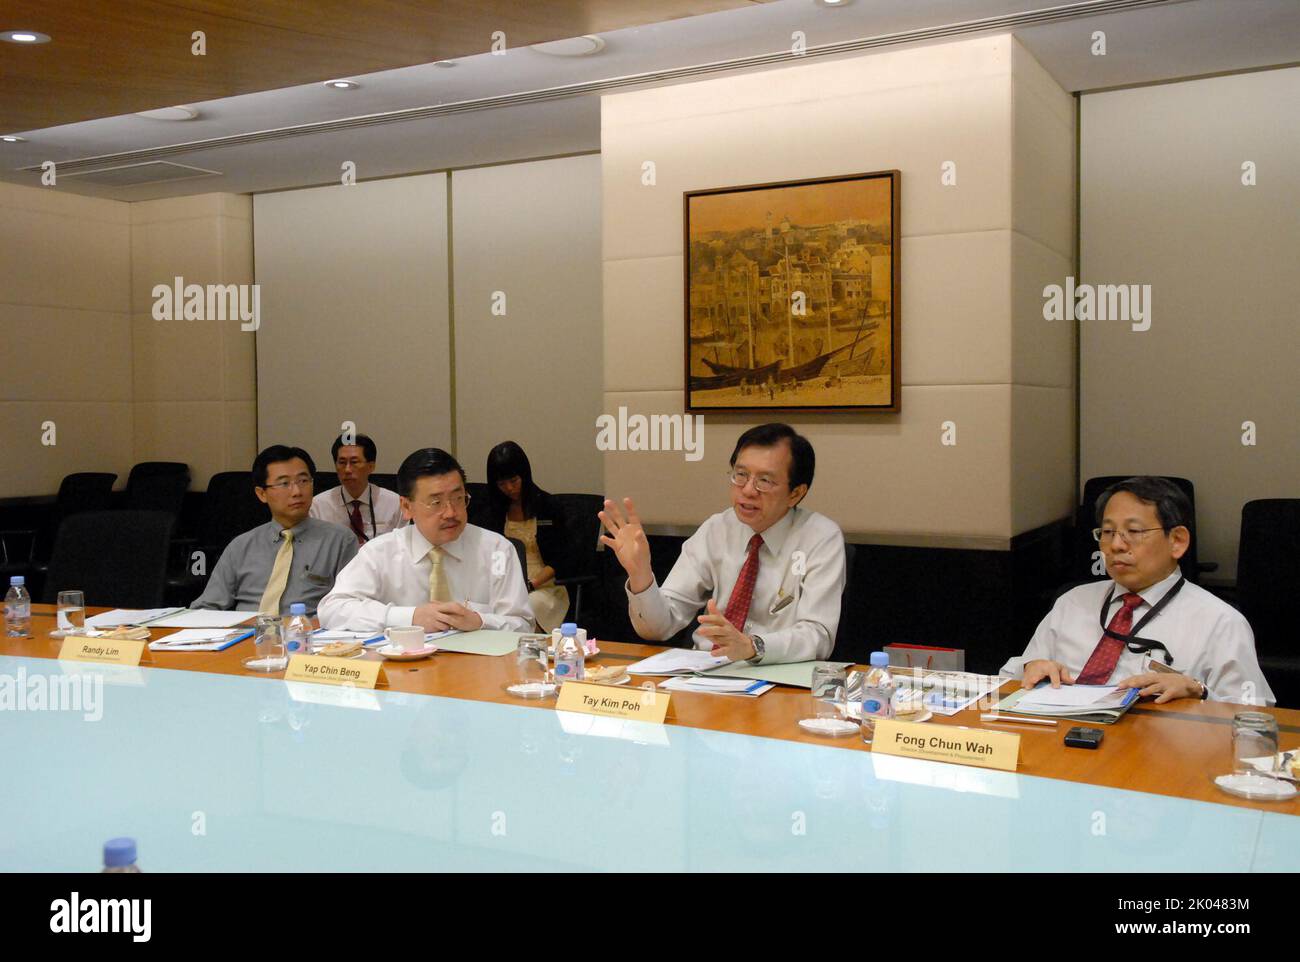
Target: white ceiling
{"points": [[1175, 39]]}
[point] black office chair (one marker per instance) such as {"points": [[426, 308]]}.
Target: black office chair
{"points": [[157, 486], [115, 557], [581, 558], [324, 481], [230, 507], [480, 506], [1268, 590], [27, 551], [388, 481]]}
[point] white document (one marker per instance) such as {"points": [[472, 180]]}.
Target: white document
{"points": [[128, 616], [718, 686], [199, 618], [678, 661], [192, 639], [1077, 697]]}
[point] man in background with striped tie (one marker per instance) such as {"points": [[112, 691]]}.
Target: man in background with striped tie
{"points": [[1100, 633], [438, 572], [292, 557]]}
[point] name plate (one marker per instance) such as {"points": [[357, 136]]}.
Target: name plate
{"points": [[101, 651], [641, 704], [944, 743], [357, 672]]}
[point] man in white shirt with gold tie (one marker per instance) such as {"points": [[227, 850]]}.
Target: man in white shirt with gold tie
{"points": [[769, 573], [438, 572], [1101, 633]]}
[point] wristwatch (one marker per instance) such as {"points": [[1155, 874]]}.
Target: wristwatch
{"points": [[760, 649]]}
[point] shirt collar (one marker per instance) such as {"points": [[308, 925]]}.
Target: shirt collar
{"points": [[773, 538], [1152, 595], [420, 546], [276, 529], [366, 497]]}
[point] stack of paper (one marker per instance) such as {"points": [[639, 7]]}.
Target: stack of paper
{"points": [[200, 639], [718, 686], [677, 661], [200, 618], [128, 616], [1095, 703]]}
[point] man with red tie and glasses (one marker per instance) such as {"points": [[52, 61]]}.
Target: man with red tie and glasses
{"points": [[1113, 632], [768, 572], [365, 509]]}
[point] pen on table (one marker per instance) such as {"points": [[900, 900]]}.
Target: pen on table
{"points": [[1007, 719]]}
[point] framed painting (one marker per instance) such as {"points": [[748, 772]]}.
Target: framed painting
{"points": [[792, 295]]}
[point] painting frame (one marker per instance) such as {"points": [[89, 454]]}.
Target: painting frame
{"points": [[782, 381]]}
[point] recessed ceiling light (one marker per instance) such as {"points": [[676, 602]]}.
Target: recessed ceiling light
{"points": [[583, 46], [168, 113], [832, 3], [25, 36], [445, 64], [11, 139], [342, 84]]}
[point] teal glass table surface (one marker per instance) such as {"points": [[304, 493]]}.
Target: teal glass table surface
{"points": [[224, 773]]}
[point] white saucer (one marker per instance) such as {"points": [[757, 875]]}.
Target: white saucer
{"points": [[398, 654], [321, 653], [532, 689], [621, 680], [829, 727], [1260, 788]]}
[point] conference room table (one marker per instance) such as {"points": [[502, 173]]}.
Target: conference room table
{"points": [[212, 767]]}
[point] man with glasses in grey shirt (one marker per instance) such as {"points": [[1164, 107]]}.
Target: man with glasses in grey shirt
{"points": [[768, 572], [291, 558]]}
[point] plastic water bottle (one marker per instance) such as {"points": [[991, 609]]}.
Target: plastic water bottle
{"points": [[569, 661], [119, 856], [297, 629], [877, 694], [18, 609]]}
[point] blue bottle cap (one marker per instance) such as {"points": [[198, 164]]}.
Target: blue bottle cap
{"points": [[119, 852], [569, 628], [297, 608], [16, 581], [879, 659]]}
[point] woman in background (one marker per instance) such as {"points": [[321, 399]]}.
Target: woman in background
{"points": [[521, 510]]}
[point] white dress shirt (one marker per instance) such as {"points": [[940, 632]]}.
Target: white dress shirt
{"points": [[710, 563], [1207, 638], [381, 509], [389, 578]]}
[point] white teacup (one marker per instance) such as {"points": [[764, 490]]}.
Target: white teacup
{"points": [[407, 638]]}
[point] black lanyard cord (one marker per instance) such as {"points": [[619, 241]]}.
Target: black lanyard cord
{"points": [[1135, 644]]}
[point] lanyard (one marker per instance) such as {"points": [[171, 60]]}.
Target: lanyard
{"points": [[1135, 644], [370, 503]]}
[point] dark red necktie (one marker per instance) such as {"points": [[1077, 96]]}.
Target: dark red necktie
{"points": [[1101, 663], [358, 528], [741, 595]]}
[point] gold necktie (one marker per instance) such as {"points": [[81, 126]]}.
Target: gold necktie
{"points": [[439, 590], [279, 579]]}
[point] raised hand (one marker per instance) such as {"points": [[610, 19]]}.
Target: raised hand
{"points": [[627, 540]]}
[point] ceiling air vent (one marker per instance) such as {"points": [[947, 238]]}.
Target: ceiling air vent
{"points": [[134, 175]]}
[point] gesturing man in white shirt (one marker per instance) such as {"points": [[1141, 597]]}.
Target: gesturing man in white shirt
{"points": [[439, 572], [1102, 633], [769, 573], [365, 509]]}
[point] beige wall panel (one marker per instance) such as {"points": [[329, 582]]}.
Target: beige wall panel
{"points": [[1042, 455], [64, 354], [90, 436]]}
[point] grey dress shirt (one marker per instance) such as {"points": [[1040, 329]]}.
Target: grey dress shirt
{"points": [[320, 550]]}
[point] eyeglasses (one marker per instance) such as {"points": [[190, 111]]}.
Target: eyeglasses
{"points": [[764, 484], [296, 482], [1130, 535], [458, 502], [351, 463]]}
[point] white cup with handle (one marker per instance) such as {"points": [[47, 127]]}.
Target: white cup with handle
{"points": [[405, 638]]}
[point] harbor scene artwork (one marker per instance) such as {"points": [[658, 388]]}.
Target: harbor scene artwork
{"points": [[792, 295]]}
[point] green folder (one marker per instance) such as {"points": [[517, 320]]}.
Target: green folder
{"points": [[481, 642], [797, 674]]}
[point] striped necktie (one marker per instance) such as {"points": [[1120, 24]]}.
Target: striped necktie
{"points": [[738, 604], [279, 580]]}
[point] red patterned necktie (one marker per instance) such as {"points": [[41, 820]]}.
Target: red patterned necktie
{"points": [[358, 528], [1101, 663], [738, 604]]}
